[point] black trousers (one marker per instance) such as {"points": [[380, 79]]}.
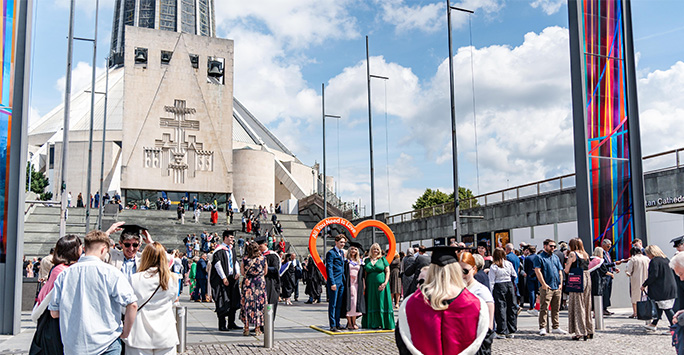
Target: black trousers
{"points": [[607, 290], [234, 292], [505, 308]]}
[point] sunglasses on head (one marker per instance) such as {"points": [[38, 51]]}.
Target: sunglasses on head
{"points": [[128, 245]]}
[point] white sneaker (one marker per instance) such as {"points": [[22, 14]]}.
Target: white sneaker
{"points": [[542, 331], [558, 331], [533, 312], [650, 327]]}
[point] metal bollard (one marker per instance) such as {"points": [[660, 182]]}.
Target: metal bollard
{"points": [[598, 312], [181, 327], [268, 326]]}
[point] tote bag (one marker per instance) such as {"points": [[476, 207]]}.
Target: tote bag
{"points": [[646, 310], [575, 279]]}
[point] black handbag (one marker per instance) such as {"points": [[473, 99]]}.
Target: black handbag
{"points": [[575, 279], [646, 310]]}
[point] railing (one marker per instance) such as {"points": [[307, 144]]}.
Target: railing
{"points": [[651, 163]]}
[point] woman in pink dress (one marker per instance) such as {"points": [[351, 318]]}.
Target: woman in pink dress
{"points": [[353, 269]]}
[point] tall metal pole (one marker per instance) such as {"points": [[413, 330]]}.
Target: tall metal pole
{"points": [[65, 128], [370, 138], [104, 134], [92, 120], [454, 146], [325, 190]]}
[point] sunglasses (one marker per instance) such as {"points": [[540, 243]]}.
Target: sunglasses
{"points": [[552, 246], [128, 245], [466, 271]]}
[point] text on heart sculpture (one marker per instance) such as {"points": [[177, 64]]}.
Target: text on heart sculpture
{"points": [[353, 232]]}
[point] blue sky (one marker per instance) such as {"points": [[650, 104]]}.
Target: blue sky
{"points": [[284, 50]]}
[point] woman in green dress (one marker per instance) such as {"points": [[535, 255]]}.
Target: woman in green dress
{"points": [[379, 312]]}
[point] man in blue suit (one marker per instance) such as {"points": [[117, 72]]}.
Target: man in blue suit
{"points": [[334, 267]]}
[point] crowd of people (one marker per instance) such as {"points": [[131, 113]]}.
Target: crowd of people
{"points": [[136, 291]]}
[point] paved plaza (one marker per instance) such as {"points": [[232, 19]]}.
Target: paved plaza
{"points": [[293, 335]]}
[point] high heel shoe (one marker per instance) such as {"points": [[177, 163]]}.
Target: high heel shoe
{"points": [[590, 336], [245, 332], [585, 338], [577, 337]]}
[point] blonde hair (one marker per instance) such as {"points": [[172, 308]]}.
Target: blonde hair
{"points": [[441, 283], [357, 257], [654, 251], [370, 250], [598, 251], [154, 255]]}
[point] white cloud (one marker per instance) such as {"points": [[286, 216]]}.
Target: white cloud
{"points": [[81, 78], [427, 18], [33, 116], [431, 17], [297, 23], [549, 7]]}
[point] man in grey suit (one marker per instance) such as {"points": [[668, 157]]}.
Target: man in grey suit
{"points": [[409, 259], [422, 260]]}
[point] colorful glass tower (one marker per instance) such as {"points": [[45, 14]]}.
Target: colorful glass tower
{"points": [[610, 191]]}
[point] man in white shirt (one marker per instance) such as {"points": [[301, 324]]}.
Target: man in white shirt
{"points": [[90, 285], [127, 260]]}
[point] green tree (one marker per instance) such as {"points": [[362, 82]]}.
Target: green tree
{"points": [[38, 182], [435, 197], [432, 198]]}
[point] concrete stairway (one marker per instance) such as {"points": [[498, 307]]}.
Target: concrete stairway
{"points": [[41, 229]]}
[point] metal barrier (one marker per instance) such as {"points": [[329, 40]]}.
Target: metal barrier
{"points": [[268, 326], [598, 312], [181, 327]]}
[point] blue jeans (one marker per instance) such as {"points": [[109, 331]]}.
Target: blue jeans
{"points": [[114, 348], [335, 306], [532, 289]]}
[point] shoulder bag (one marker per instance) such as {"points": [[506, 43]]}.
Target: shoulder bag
{"points": [[575, 278]]}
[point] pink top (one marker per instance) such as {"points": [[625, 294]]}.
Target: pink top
{"points": [[50, 283]]}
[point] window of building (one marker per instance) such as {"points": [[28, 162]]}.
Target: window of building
{"points": [[188, 16], [215, 70], [140, 56], [167, 15], [146, 17], [194, 61], [166, 57]]}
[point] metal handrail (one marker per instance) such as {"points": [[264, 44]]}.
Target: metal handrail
{"points": [[486, 199]]}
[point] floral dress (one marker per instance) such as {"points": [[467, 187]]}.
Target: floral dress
{"points": [[253, 291]]}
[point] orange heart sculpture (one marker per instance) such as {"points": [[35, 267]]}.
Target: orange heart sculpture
{"points": [[353, 231]]}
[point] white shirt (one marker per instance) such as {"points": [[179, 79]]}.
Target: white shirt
{"points": [[481, 291], [233, 269], [501, 275], [90, 285], [155, 324]]}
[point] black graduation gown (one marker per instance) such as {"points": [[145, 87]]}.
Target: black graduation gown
{"points": [[360, 292], [227, 298], [287, 281], [314, 280], [273, 278]]}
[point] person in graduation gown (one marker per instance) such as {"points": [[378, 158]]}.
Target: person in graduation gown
{"points": [[442, 316], [354, 300], [273, 275], [287, 279], [225, 272], [379, 310], [314, 281], [678, 244]]}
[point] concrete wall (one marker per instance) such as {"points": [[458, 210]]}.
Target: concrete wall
{"points": [[253, 179], [152, 87]]}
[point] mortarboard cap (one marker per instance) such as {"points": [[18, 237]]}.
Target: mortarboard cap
{"points": [[228, 232], [443, 256], [482, 244], [132, 229], [357, 246], [261, 239], [677, 241]]}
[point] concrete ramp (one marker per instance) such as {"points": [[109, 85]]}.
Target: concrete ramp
{"points": [[288, 180]]}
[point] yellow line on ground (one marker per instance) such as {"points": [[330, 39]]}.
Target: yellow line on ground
{"points": [[346, 332]]}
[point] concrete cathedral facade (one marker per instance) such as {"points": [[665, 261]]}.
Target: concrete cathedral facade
{"points": [[173, 127]]}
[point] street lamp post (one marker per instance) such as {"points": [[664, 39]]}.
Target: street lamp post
{"points": [[454, 149], [325, 189], [370, 136]]}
